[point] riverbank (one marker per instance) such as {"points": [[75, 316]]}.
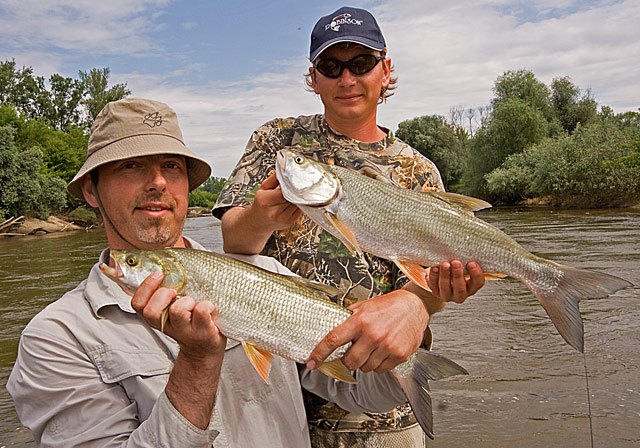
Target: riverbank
{"points": [[22, 226]]}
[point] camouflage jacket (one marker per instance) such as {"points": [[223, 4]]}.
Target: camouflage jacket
{"points": [[308, 250]]}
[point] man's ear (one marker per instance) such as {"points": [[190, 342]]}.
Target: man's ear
{"points": [[87, 191], [312, 73], [386, 70]]}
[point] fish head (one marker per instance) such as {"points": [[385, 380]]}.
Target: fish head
{"points": [[305, 181], [131, 267]]}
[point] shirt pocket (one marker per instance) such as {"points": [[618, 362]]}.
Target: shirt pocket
{"points": [[141, 373], [118, 363]]}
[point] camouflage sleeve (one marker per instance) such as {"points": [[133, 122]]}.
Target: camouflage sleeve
{"points": [[256, 164]]}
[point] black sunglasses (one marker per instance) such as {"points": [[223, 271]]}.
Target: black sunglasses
{"points": [[359, 65]]}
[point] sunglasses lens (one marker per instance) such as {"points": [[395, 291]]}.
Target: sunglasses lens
{"points": [[330, 68], [362, 64]]}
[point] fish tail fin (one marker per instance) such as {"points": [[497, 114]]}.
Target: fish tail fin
{"points": [[414, 376], [561, 303]]}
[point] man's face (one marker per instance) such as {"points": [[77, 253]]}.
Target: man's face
{"points": [[146, 199], [351, 97]]}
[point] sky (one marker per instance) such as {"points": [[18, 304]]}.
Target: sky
{"points": [[228, 67]]}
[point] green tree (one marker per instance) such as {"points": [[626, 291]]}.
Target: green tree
{"points": [[523, 85], [437, 140], [202, 198], [62, 152], [97, 94], [65, 97], [22, 89], [214, 184], [569, 107], [24, 190], [513, 126]]}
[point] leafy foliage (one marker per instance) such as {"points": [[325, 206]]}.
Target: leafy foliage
{"points": [[514, 125], [207, 193], [437, 140], [62, 152], [202, 198], [574, 168], [24, 190], [97, 94], [525, 112]]}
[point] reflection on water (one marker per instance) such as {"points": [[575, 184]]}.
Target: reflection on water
{"points": [[526, 387]]}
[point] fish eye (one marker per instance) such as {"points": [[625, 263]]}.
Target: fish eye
{"points": [[131, 260], [299, 159]]}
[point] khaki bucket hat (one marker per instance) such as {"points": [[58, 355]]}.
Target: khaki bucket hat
{"points": [[135, 127]]}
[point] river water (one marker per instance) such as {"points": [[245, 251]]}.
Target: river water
{"points": [[526, 387]]}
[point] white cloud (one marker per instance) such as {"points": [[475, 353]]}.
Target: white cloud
{"points": [[114, 27]]}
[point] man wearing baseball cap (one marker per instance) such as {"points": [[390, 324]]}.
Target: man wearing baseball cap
{"points": [[352, 75], [93, 369]]}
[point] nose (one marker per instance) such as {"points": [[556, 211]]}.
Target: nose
{"points": [[346, 78], [157, 180]]}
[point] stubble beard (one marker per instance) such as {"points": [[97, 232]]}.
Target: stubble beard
{"points": [[159, 231]]}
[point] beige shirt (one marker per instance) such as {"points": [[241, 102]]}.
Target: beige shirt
{"points": [[90, 372]]}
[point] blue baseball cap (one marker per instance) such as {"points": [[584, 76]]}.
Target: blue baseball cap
{"points": [[346, 25]]}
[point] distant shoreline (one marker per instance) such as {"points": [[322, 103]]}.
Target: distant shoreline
{"points": [[57, 224]]}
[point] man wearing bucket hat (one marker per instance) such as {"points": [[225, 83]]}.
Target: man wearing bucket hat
{"points": [[94, 370], [352, 75]]}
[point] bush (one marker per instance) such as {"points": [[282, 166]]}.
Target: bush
{"points": [[202, 198], [574, 169], [83, 215], [24, 190]]}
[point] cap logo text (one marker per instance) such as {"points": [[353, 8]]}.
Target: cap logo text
{"points": [[342, 19], [153, 120]]}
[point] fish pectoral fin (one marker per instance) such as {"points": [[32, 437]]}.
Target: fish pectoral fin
{"points": [[260, 360], [466, 202], [164, 317], [336, 369], [329, 290], [346, 236], [492, 276], [415, 272]]}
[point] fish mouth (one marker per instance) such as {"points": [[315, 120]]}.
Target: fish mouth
{"points": [[114, 274]]}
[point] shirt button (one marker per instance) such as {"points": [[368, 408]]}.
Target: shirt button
{"points": [[53, 427]]}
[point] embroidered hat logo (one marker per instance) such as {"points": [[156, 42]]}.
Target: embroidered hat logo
{"points": [[153, 120], [342, 19]]}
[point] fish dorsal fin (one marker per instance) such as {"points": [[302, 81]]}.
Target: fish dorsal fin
{"points": [[336, 369], [346, 236], [260, 360], [466, 202]]}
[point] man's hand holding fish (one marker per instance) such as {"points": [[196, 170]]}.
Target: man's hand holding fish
{"points": [[202, 345]]}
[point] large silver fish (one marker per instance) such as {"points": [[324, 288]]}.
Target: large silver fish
{"points": [[271, 313], [415, 229]]}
